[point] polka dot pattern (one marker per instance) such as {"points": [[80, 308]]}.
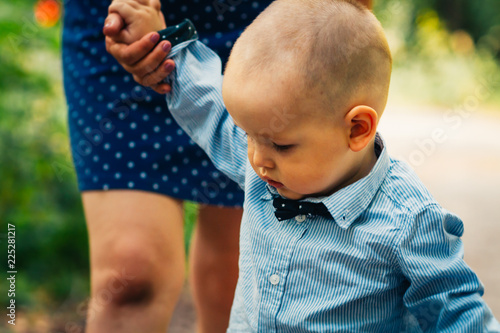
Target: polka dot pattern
{"points": [[122, 134]]}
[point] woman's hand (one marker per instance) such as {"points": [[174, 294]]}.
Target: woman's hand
{"points": [[139, 57], [149, 68]]}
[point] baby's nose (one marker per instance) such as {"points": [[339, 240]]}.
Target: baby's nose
{"points": [[262, 159]]}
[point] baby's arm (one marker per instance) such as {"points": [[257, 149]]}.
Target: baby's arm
{"points": [[444, 294], [196, 104]]}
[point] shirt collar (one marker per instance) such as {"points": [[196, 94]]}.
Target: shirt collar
{"points": [[347, 204]]}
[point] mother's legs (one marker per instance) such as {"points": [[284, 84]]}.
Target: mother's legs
{"points": [[137, 260], [138, 264], [214, 266]]}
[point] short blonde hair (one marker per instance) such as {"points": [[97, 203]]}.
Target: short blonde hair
{"points": [[335, 45]]}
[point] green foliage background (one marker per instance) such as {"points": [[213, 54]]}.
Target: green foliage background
{"points": [[34, 194], [442, 49]]}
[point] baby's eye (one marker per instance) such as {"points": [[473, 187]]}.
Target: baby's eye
{"points": [[282, 147]]}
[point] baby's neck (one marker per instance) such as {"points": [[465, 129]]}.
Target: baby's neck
{"points": [[362, 168], [367, 163], [359, 170]]}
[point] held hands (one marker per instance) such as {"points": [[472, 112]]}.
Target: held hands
{"points": [[130, 31], [130, 20]]}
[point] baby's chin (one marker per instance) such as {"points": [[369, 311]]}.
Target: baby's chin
{"points": [[286, 193], [289, 194]]}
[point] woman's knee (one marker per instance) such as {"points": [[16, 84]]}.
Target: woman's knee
{"points": [[136, 246], [134, 276]]}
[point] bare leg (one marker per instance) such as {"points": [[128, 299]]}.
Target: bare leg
{"points": [[137, 260], [214, 266]]}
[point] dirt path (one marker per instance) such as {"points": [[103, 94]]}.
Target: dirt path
{"points": [[183, 319]]}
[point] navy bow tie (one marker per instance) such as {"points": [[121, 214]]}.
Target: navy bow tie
{"points": [[288, 209]]}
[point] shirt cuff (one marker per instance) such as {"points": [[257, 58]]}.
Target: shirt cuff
{"points": [[180, 33]]}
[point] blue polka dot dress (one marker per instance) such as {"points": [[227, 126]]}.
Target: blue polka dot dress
{"points": [[122, 134]]}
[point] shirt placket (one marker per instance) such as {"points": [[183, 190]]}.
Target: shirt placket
{"points": [[275, 276]]}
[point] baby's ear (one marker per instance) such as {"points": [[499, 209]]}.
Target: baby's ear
{"points": [[362, 123]]}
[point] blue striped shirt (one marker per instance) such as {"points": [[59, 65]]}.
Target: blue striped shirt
{"points": [[390, 260]]}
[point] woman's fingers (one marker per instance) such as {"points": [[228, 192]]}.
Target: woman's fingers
{"points": [[151, 61], [155, 78], [128, 55], [162, 88]]}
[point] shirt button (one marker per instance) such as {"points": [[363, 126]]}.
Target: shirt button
{"points": [[300, 218], [274, 279]]}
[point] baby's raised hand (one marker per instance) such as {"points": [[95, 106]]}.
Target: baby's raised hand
{"points": [[129, 20]]}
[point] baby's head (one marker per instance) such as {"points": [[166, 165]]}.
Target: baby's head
{"points": [[308, 81]]}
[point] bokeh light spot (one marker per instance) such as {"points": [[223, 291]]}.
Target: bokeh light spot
{"points": [[47, 12]]}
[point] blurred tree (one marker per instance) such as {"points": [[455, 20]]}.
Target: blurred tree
{"points": [[480, 19], [37, 185], [475, 17]]}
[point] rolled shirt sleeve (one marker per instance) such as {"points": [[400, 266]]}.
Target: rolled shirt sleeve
{"points": [[196, 104], [444, 294]]}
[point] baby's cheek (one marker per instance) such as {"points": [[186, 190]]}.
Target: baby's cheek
{"points": [[313, 179], [300, 178], [250, 154]]}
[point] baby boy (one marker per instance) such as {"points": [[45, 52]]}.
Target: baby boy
{"points": [[336, 235]]}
